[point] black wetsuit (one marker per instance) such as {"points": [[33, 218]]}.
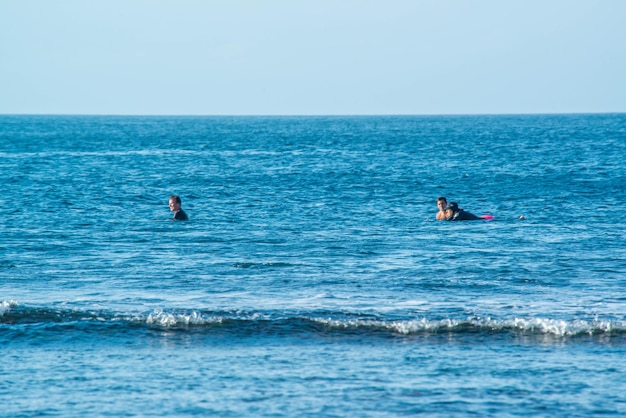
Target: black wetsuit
{"points": [[461, 215], [181, 215]]}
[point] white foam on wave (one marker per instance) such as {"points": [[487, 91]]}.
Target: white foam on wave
{"points": [[166, 319], [5, 306], [563, 328], [544, 326]]}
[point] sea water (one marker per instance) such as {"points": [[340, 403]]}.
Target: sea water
{"points": [[312, 278]]}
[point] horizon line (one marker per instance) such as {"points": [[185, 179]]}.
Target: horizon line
{"points": [[310, 114]]}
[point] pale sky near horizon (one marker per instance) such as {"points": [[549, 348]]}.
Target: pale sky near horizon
{"points": [[312, 57]]}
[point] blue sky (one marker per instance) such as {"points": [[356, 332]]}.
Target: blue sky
{"points": [[312, 57]]}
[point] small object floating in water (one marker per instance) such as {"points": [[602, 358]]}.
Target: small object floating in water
{"points": [[487, 217], [521, 218]]}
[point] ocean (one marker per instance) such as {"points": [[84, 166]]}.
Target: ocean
{"points": [[312, 278]]}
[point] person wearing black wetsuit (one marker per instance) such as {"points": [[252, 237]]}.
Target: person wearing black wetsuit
{"points": [[179, 214], [456, 214]]}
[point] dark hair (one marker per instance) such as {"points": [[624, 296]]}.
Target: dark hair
{"points": [[442, 199], [453, 206], [175, 197]]}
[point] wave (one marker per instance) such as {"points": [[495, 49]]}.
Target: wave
{"points": [[13, 314], [251, 265]]}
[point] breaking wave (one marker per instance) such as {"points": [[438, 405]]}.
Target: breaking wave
{"points": [[13, 314]]}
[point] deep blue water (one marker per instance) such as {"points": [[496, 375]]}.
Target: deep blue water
{"points": [[312, 278]]}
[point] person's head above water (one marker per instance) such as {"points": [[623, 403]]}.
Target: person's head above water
{"points": [[453, 206], [442, 202], [175, 203], [179, 213], [450, 210]]}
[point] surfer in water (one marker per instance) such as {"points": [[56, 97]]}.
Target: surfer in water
{"points": [[453, 213], [179, 214]]}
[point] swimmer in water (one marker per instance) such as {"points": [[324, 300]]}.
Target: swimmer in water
{"points": [[179, 214], [442, 202]]}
